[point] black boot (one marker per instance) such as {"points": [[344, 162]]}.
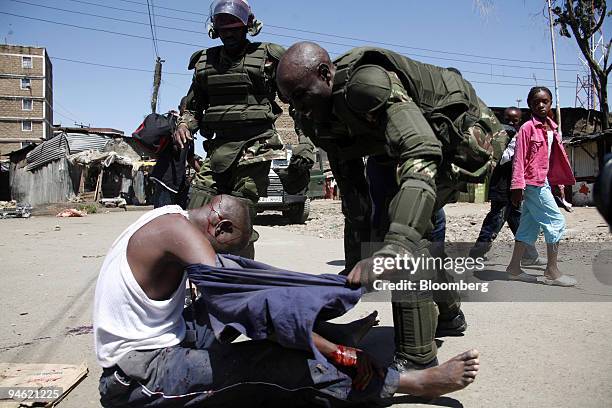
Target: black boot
{"points": [[453, 327]]}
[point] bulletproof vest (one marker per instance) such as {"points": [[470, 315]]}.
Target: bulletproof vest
{"points": [[446, 100], [239, 93]]}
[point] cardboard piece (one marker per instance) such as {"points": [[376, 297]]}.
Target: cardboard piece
{"points": [[37, 385]]}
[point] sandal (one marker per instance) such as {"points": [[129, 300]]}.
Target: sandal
{"points": [[522, 277], [563, 280]]}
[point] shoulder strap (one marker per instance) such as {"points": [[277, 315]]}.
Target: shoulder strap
{"points": [[195, 57], [256, 56], [275, 51]]}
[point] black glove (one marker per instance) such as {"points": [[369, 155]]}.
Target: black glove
{"points": [[296, 176]]}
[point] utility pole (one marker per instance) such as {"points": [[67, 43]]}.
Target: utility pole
{"points": [[156, 83], [518, 102], [554, 56]]}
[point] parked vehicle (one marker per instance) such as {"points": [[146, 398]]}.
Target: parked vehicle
{"points": [[296, 207]]}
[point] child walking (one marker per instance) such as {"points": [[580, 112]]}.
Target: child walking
{"points": [[539, 162]]}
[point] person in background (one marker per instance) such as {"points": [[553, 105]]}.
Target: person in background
{"points": [[502, 210], [539, 162], [170, 172]]}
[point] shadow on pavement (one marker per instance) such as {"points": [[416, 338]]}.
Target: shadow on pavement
{"points": [[489, 275], [438, 402], [379, 344], [271, 220], [337, 262]]}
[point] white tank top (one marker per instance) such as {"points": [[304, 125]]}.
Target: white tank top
{"points": [[124, 318]]}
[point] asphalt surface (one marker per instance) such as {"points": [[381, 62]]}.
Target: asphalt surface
{"points": [[534, 353]]}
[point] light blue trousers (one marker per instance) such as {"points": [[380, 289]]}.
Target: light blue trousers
{"points": [[540, 212]]}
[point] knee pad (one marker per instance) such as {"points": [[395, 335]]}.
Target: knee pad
{"points": [[410, 212], [415, 325]]}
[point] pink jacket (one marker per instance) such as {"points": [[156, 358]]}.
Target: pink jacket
{"points": [[531, 165]]}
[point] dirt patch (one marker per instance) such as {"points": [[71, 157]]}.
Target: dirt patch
{"points": [[463, 222]]}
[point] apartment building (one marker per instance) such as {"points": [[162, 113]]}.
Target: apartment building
{"points": [[26, 96]]}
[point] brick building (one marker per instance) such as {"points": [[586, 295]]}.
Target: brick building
{"points": [[26, 96]]}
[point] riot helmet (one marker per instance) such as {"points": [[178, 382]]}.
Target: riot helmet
{"points": [[232, 14]]}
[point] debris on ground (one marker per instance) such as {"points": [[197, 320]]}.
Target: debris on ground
{"points": [[463, 223], [79, 330], [71, 212], [12, 209], [42, 385], [114, 203]]}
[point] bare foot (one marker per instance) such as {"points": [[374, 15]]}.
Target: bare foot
{"points": [[552, 272], [514, 270], [455, 374]]}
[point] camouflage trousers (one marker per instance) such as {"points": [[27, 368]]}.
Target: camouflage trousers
{"points": [[249, 181], [415, 313]]}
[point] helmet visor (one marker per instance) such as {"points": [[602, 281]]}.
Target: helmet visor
{"points": [[236, 8]]}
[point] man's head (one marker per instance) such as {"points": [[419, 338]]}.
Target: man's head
{"points": [[226, 223], [512, 117], [305, 76], [231, 20]]}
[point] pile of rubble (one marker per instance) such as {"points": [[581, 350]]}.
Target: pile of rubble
{"points": [[13, 209]]}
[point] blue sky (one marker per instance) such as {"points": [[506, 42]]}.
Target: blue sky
{"points": [[511, 41]]}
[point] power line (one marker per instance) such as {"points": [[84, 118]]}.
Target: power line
{"points": [[106, 17], [331, 35], [509, 84], [118, 67], [175, 42], [509, 76], [366, 41], [54, 109], [97, 29], [188, 74], [152, 30], [65, 108], [199, 32], [133, 11], [178, 42]]}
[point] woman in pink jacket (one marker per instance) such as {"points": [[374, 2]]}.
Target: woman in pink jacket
{"points": [[539, 162]]}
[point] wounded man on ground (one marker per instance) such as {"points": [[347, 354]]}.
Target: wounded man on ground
{"points": [[155, 352]]}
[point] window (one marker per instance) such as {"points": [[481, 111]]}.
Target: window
{"points": [[26, 62], [26, 83], [26, 126], [26, 104]]}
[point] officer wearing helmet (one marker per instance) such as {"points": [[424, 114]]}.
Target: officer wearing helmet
{"points": [[231, 102], [428, 127]]}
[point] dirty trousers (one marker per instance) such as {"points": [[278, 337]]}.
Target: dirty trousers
{"points": [[245, 374]]}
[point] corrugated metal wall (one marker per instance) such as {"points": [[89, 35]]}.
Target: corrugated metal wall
{"points": [[48, 151], [51, 183], [64, 144], [80, 142], [585, 162]]}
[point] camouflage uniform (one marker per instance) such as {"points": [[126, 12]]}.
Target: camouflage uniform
{"points": [[231, 102], [430, 124]]}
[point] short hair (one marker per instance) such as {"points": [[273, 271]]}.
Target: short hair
{"points": [[234, 209], [533, 91]]}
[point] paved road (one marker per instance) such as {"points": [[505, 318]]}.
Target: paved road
{"points": [[537, 354]]}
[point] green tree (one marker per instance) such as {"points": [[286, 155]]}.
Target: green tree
{"points": [[582, 19]]}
